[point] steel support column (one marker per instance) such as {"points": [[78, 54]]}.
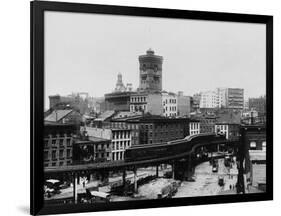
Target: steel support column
{"points": [[74, 182], [135, 180]]}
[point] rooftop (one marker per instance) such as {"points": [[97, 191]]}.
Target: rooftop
{"points": [[57, 115]]}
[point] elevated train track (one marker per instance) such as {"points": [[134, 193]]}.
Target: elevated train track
{"points": [[150, 154]]}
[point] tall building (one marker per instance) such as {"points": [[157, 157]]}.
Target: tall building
{"points": [[235, 98], [222, 97], [150, 66]]}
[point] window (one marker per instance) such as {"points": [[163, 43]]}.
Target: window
{"points": [[68, 142], [253, 145], [54, 154], [46, 155], [68, 153], [61, 153], [46, 141], [61, 142], [54, 141], [264, 145]]}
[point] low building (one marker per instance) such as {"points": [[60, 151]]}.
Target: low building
{"points": [[91, 150], [254, 139], [194, 127], [230, 130], [157, 129], [120, 139], [58, 143], [207, 122]]}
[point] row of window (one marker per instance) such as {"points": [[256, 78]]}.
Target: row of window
{"points": [[171, 101], [138, 99], [120, 145], [57, 141], [138, 108], [57, 154], [121, 135], [60, 163], [118, 155], [63, 135], [193, 126]]}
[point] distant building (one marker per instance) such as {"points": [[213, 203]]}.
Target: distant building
{"points": [[119, 85], [258, 104], [235, 98], [184, 105], [78, 101], [208, 99], [150, 66], [146, 102], [222, 95], [64, 116], [58, 142], [170, 105], [119, 100], [195, 102]]}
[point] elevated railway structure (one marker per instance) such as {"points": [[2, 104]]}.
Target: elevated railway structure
{"points": [[178, 153]]}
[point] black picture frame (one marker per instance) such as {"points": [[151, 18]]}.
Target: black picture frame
{"points": [[37, 103]]}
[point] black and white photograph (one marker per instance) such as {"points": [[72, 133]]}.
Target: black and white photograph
{"points": [[140, 108]]}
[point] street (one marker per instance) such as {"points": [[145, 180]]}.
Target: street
{"points": [[206, 181]]}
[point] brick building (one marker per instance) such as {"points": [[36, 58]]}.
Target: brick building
{"points": [[58, 143]]}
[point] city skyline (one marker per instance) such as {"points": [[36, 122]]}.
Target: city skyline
{"points": [[77, 61]]}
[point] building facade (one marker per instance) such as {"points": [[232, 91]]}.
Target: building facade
{"points": [[146, 102], [194, 127], [170, 104], [235, 98], [156, 129], [120, 139], [58, 143], [254, 139], [92, 150], [230, 130], [208, 99], [258, 104], [184, 105]]}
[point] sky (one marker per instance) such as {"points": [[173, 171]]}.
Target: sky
{"points": [[85, 52]]}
